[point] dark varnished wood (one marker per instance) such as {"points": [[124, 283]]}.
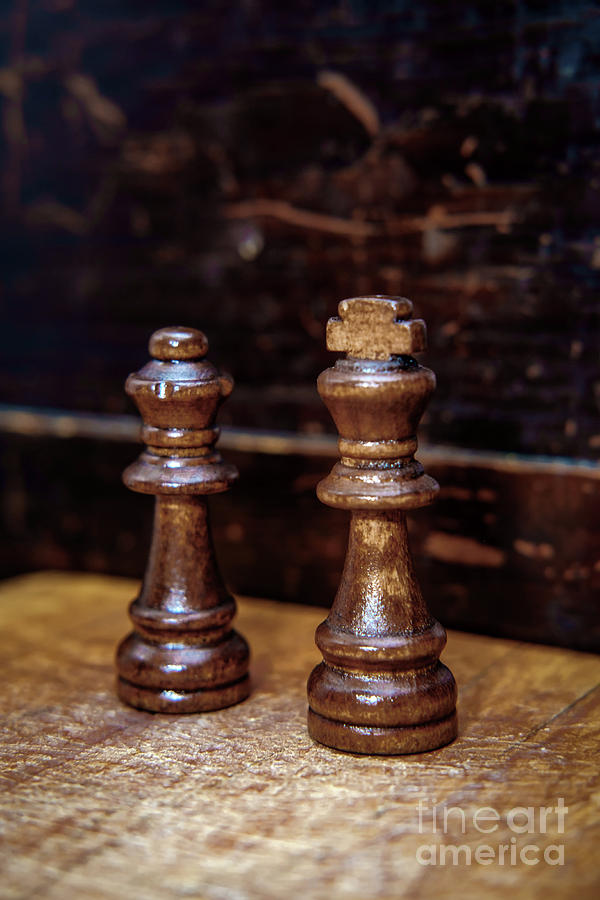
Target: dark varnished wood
{"points": [[381, 687], [183, 655], [458, 166], [183, 162], [509, 548]]}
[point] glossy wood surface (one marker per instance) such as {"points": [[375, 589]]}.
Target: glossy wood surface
{"points": [[100, 800], [381, 687], [183, 655]]}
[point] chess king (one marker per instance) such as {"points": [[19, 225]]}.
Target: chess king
{"points": [[381, 687]]}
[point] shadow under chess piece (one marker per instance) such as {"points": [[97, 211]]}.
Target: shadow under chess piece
{"points": [[381, 687], [183, 655]]}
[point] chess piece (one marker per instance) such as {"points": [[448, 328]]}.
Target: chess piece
{"points": [[183, 655], [381, 687]]}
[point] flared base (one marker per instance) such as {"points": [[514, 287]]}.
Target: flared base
{"points": [[382, 711], [171, 677], [170, 701], [382, 741]]}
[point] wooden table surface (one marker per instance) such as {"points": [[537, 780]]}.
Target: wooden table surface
{"points": [[100, 800]]}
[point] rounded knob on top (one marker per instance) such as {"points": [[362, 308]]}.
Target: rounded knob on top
{"points": [[178, 343], [178, 393]]}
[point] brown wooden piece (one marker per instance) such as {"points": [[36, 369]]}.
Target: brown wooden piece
{"points": [[183, 655], [381, 687]]}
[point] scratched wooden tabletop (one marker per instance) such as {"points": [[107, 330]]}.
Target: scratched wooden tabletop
{"points": [[100, 800]]}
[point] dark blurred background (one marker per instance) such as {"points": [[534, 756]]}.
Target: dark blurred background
{"points": [[241, 167]]}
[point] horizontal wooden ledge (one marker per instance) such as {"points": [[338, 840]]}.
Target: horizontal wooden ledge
{"points": [[46, 422]]}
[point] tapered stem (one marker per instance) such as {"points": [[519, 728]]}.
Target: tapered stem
{"points": [[379, 593], [182, 573]]}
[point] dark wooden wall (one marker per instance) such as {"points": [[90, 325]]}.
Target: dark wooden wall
{"points": [[243, 166]]}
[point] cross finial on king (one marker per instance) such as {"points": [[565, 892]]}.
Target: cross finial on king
{"points": [[376, 328]]}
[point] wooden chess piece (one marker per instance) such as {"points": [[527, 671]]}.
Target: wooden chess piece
{"points": [[381, 687], [183, 655]]}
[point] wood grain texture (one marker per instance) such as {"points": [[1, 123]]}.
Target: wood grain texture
{"points": [[245, 165], [103, 801], [183, 654], [381, 687], [249, 164], [511, 547]]}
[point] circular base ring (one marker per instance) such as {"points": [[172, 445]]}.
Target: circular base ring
{"points": [[166, 701], [382, 741]]}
